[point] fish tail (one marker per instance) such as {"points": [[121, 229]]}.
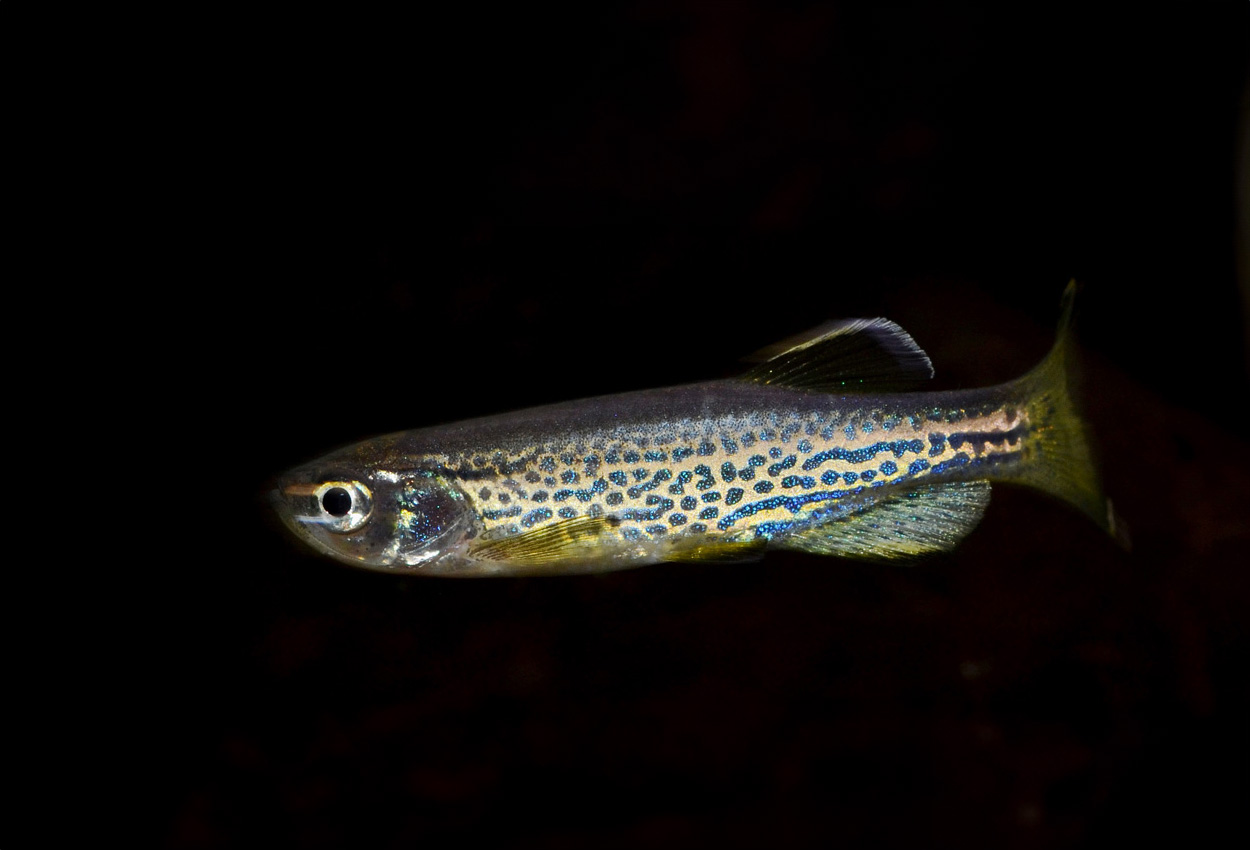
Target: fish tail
{"points": [[1061, 461]]}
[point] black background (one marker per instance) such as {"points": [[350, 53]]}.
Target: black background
{"points": [[372, 224]]}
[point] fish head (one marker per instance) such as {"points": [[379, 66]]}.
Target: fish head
{"points": [[415, 520]]}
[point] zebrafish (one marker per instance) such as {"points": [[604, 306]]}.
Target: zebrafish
{"points": [[817, 448]]}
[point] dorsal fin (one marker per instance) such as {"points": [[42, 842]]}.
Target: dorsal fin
{"points": [[848, 355], [928, 519]]}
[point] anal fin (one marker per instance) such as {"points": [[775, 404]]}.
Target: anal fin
{"points": [[720, 553], [917, 522]]}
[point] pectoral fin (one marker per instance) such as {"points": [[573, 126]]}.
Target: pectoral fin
{"points": [[552, 544]]}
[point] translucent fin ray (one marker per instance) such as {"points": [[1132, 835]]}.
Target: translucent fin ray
{"points": [[1062, 462], [720, 553], [850, 355], [556, 543], [915, 523]]}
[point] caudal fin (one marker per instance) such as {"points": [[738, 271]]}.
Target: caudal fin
{"points": [[1061, 462]]}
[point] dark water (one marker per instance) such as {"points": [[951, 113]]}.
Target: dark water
{"points": [[414, 220]]}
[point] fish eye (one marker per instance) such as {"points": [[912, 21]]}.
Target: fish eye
{"points": [[345, 505], [336, 501]]}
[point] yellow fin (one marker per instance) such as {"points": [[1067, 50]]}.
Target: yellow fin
{"points": [[555, 543], [919, 522], [1063, 462], [720, 553]]}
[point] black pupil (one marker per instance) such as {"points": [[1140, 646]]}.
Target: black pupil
{"points": [[336, 501]]}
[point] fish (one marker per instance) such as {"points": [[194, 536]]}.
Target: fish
{"points": [[824, 445]]}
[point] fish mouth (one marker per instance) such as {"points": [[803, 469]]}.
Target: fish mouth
{"points": [[294, 502], [284, 501], [284, 507]]}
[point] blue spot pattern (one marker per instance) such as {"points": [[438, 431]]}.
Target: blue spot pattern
{"points": [[683, 478], [661, 475], [706, 479], [662, 506], [958, 460], [897, 447], [795, 503], [535, 516], [775, 469], [792, 503], [581, 495], [772, 529]]}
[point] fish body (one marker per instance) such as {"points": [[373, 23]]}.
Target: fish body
{"points": [[813, 449]]}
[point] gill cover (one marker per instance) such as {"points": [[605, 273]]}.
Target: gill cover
{"points": [[381, 520]]}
